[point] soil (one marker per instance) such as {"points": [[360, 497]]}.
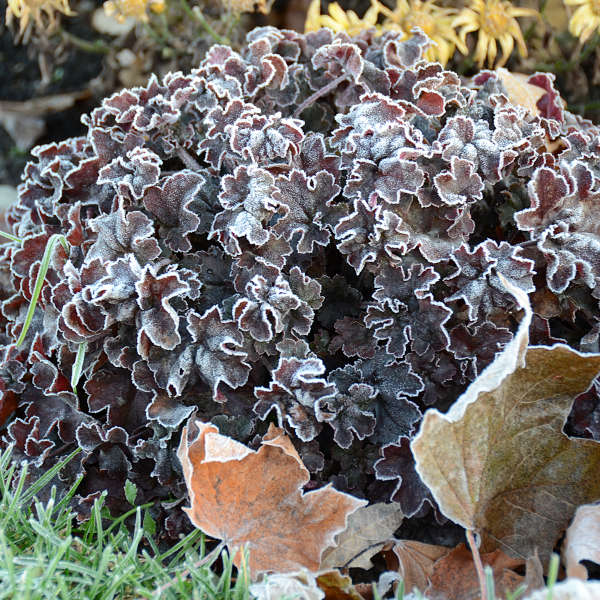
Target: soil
{"points": [[21, 80]]}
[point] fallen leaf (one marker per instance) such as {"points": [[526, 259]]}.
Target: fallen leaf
{"points": [[498, 462], [415, 562], [519, 91], [582, 541], [454, 576], [255, 499], [336, 586], [369, 528], [569, 589], [300, 586]]}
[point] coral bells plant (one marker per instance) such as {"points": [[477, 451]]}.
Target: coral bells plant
{"points": [[308, 234]]}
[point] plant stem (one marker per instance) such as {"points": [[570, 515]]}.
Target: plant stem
{"points": [[188, 160], [313, 97], [478, 564], [95, 47], [199, 17], [155, 35]]}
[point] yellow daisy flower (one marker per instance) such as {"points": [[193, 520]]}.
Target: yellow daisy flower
{"points": [[496, 23], [138, 9], [41, 12], [435, 21], [585, 20], [340, 20]]}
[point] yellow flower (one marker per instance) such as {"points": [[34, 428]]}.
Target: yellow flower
{"points": [[41, 12], [435, 21], [138, 9], [338, 20], [496, 23], [585, 20]]}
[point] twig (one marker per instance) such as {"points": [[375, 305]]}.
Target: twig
{"points": [[324, 90], [478, 564]]}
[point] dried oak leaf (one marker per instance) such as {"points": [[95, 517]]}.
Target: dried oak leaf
{"points": [[498, 462], [414, 561], [582, 541], [255, 499], [454, 577], [369, 528]]}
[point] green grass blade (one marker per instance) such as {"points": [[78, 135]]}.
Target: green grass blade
{"points": [[78, 365], [39, 282], [11, 237]]}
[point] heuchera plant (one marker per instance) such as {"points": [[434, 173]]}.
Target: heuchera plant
{"points": [[308, 233]]}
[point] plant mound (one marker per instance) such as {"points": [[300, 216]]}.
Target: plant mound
{"points": [[308, 233]]}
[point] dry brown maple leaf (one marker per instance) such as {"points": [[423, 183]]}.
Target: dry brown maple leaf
{"points": [[255, 499], [498, 462], [582, 541]]}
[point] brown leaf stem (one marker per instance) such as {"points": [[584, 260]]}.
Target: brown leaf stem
{"points": [[478, 563]]}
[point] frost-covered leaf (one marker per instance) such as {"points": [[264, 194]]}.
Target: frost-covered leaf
{"points": [[351, 412], [120, 233], [171, 204], [283, 529], [369, 528], [305, 202], [294, 393], [217, 352], [301, 586], [518, 489], [397, 463], [158, 319]]}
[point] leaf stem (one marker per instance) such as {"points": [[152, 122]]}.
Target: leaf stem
{"points": [[197, 16], [478, 564], [324, 90], [95, 47]]}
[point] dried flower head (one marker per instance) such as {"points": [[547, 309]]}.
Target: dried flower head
{"points": [[435, 21], [585, 20], [42, 13], [340, 20], [495, 20], [138, 9]]}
